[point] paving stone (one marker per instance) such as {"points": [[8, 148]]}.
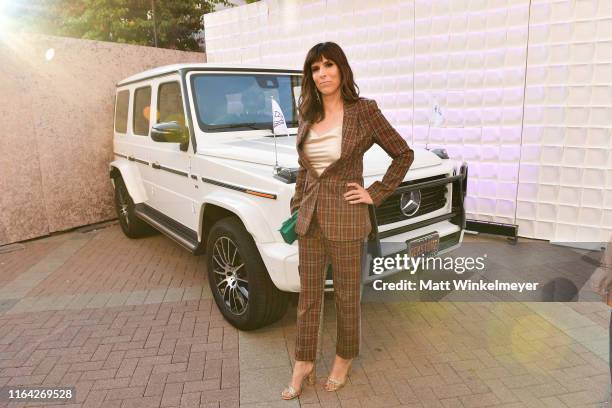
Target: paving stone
{"points": [[136, 297]]}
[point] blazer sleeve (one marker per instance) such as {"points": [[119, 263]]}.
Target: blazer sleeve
{"points": [[299, 188], [394, 144]]}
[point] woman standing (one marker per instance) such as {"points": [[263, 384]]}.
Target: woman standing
{"points": [[336, 128]]}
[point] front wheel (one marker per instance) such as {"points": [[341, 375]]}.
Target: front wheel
{"points": [[238, 278]]}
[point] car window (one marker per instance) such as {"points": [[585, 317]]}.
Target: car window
{"points": [[227, 102], [142, 111], [170, 103], [121, 111]]}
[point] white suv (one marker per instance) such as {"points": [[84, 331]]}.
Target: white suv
{"points": [[195, 159]]}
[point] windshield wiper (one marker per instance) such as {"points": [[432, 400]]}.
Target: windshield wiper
{"points": [[281, 135], [253, 126], [289, 125]]}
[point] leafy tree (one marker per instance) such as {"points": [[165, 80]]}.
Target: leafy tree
{"points": [[174, 22]]}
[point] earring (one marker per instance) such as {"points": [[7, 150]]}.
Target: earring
{"points": [[318, 98]]}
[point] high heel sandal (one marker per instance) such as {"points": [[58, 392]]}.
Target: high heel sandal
{"points": [[290, 393], [333, 384]]}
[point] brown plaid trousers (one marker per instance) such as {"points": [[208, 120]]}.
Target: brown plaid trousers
{"points": [[345, 257], [330, 229]]}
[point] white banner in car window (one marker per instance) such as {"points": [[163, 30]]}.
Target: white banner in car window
{"points": [[278, 120]]}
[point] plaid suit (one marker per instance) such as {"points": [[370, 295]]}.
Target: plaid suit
{"points": [[363, 125], [330, 229]]}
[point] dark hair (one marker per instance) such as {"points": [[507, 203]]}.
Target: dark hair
{"points": [[310, 108]]}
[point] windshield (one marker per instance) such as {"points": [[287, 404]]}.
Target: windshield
{"points": [[225, 102]]}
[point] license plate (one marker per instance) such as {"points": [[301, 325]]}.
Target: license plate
{"points": [[426, 245]]}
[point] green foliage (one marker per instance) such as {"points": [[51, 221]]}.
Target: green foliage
{"points": [[124, 21]]}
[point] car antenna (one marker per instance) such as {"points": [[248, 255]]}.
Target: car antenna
{"points": [[437, 117]]}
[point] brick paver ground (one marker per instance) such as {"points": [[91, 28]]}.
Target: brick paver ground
{"points": [[132, 323], [465, 355], [128, 266], [129, 323], [169, 355], [14, 263]]}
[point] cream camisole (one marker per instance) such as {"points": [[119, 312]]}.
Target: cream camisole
{"points": [[322, 150]]}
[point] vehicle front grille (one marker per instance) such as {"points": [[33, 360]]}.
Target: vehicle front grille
{"points": [[432, 199]]}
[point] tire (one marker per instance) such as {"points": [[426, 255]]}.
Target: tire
{"points": [[239, 281], [132, 226]]}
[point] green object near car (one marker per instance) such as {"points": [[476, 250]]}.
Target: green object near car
{"points": [[287, 230]]}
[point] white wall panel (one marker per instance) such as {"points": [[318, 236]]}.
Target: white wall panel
{"points": [[470, 60], [568, 121], [525, 88]]}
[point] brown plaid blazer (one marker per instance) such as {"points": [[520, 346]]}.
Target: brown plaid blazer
{"points": [[362, 126]]}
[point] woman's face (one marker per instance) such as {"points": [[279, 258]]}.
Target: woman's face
{"points": [[326, 76]]}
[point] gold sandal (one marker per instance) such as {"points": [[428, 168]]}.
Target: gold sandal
{"points": [[290, 393], [333, 384]]}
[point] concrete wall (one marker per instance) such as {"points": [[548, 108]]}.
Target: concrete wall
{"points": [[524, 86], [56, 105]]}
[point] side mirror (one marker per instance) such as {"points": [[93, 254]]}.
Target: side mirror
{"points": [[170, 132]]}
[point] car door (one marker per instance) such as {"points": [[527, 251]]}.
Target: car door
{"points": [[170, 166]]}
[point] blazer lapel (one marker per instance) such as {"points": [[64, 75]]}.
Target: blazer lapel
{"points": [[302, 132], [300, 138], [348, 130]]}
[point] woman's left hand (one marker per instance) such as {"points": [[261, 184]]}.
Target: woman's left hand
{"points": [[357, 195]]}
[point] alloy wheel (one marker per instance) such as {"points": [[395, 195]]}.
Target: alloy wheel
{"points": [[230, 275], [123, 205]]}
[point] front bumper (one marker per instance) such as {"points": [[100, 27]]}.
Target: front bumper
{"points": [[282, 260], [450, 234]]}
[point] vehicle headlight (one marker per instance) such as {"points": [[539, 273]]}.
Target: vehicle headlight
{"points": [[440, 152], [287, 175]]}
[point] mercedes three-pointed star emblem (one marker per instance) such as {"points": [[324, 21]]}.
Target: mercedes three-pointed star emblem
{"points": [[410, 202]]}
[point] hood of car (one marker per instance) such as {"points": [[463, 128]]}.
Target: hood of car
{"points": [[261, 151]]}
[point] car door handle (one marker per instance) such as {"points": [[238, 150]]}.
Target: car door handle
{"points": [[156, 165]]}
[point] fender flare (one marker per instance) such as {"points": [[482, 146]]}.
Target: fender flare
{"points": [[245, 209], [130, 173]]}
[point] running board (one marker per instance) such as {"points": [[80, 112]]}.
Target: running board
{"points": [[182, 235]]}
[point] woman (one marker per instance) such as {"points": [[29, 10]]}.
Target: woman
{"points": [[336, 128]]}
